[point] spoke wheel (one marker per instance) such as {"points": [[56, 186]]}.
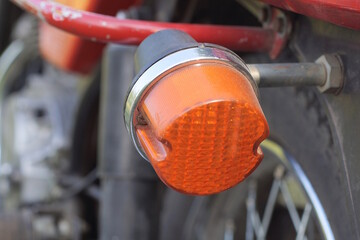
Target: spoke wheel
{"points": [[276, 202], [291, 199], [310, 200]]}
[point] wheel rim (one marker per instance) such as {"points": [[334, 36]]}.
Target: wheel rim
{"points": [[288, 171]]}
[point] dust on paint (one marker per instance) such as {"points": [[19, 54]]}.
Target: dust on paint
{"points": [[59, 12]]}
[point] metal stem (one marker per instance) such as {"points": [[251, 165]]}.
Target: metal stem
{"points": [[288, 74]]}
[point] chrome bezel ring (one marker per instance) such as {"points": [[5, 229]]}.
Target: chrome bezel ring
{"points": [[167, 64]]}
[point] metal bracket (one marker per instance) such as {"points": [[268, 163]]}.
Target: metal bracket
{"points": [[271, 18]]}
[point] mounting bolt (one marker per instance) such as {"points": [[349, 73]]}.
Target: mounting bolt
{"points": [[334, 73]]}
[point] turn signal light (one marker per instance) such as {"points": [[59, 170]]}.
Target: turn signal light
{"points": [[194, 114]]}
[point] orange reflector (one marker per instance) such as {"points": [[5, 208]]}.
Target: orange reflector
{"points": [[200, 126]]}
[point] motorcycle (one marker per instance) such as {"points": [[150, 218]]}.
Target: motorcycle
{"points": [[198, 119]]}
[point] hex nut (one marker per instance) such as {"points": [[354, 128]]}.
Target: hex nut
{"points": [[334, 73]]}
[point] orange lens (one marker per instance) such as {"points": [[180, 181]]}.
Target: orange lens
{"points": [[200, 126]]}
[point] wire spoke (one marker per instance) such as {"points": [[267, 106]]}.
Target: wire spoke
{"points": [[270, 205], [290, 205], [304, 221], [229, 230], [249, 234], [254, 224]]}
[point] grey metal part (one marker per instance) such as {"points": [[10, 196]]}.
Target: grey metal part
{"points": [[36, 132], [326, 73], [129, 206], [12, 61], [288, 74], [23, 162]]}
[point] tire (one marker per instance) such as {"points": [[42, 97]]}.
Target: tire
{"points": [[298, 123]]}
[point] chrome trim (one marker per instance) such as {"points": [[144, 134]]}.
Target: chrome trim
{"points": [[170, 62], [254, 71]]}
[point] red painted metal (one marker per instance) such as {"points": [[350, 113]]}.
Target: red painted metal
{"points": [[282, 24], [341, 12], [110, 29], [69, 52]]}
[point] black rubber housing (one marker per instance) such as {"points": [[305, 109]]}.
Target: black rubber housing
{"points": [[159, 45]]}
